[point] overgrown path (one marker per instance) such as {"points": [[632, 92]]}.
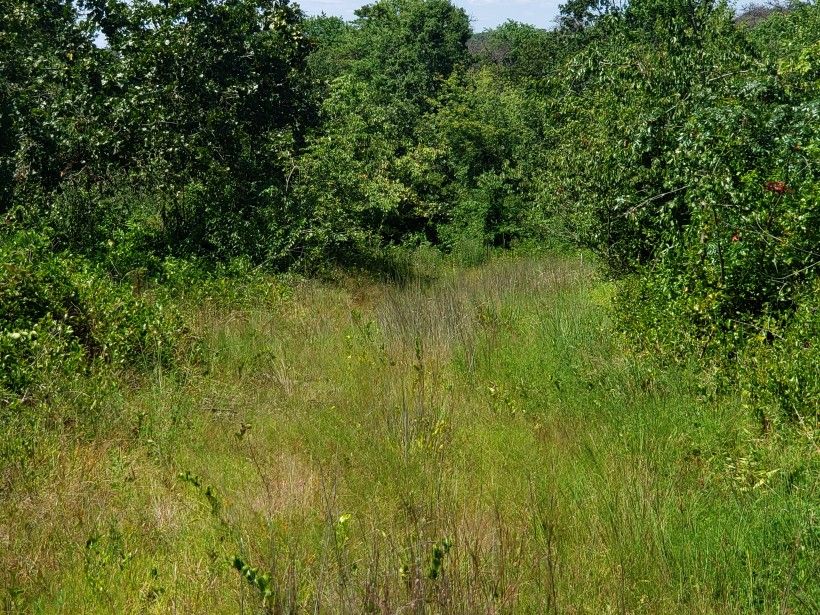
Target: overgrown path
{"points": [[477, 442]]}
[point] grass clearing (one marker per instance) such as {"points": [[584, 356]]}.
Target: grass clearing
{"points": [[477, 441]]}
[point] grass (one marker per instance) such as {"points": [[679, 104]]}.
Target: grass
{"points": [[474, 441]]}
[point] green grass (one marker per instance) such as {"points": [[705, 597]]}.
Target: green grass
{"points": [[477, 441]]}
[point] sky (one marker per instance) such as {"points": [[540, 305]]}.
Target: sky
{"points": [[484, 13]]}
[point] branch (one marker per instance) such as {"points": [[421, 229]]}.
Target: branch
{"points": [[632, 210]]}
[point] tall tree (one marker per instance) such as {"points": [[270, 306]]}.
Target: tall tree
{"points": [[577, 15], [520, 52], [207, 99], [406, 49], [44, 46], [365, 177], [330, 40]]}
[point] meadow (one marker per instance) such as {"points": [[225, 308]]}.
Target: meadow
{"points": [[461, 440]]}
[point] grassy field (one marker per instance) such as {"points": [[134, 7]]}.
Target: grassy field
{"points": [[475, 440]]}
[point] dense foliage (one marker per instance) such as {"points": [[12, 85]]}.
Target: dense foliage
{"points": [[64, 316], [705, 136], [678, 142]]}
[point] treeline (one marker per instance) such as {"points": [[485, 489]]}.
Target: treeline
{"points": [[680, 144]]}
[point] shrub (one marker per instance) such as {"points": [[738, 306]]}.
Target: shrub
{"points": [[60, 315], [781, 367]]}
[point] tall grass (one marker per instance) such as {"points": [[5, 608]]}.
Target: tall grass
{"points": [[476, 441]]}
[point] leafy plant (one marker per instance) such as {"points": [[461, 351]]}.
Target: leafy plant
{"points": [[63, 315], [260, 581], [439, 552]]}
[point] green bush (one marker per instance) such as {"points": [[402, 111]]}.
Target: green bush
{"points": [[681, 146], [780, 369], [61, 315]]}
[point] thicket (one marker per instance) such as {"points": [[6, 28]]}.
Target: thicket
{"points": [[679, 143]]}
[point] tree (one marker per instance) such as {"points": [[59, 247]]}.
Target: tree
{"points": [[406, 49], [44, 48], [207, 100], [519, 52], [366, 179], [578, 15], [7, 148], [331, 40]]}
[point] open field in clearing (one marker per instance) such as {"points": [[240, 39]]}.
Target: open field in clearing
{"points": [[477, 441]]}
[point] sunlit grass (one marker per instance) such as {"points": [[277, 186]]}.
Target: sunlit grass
{"points": [[479, 441]]}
